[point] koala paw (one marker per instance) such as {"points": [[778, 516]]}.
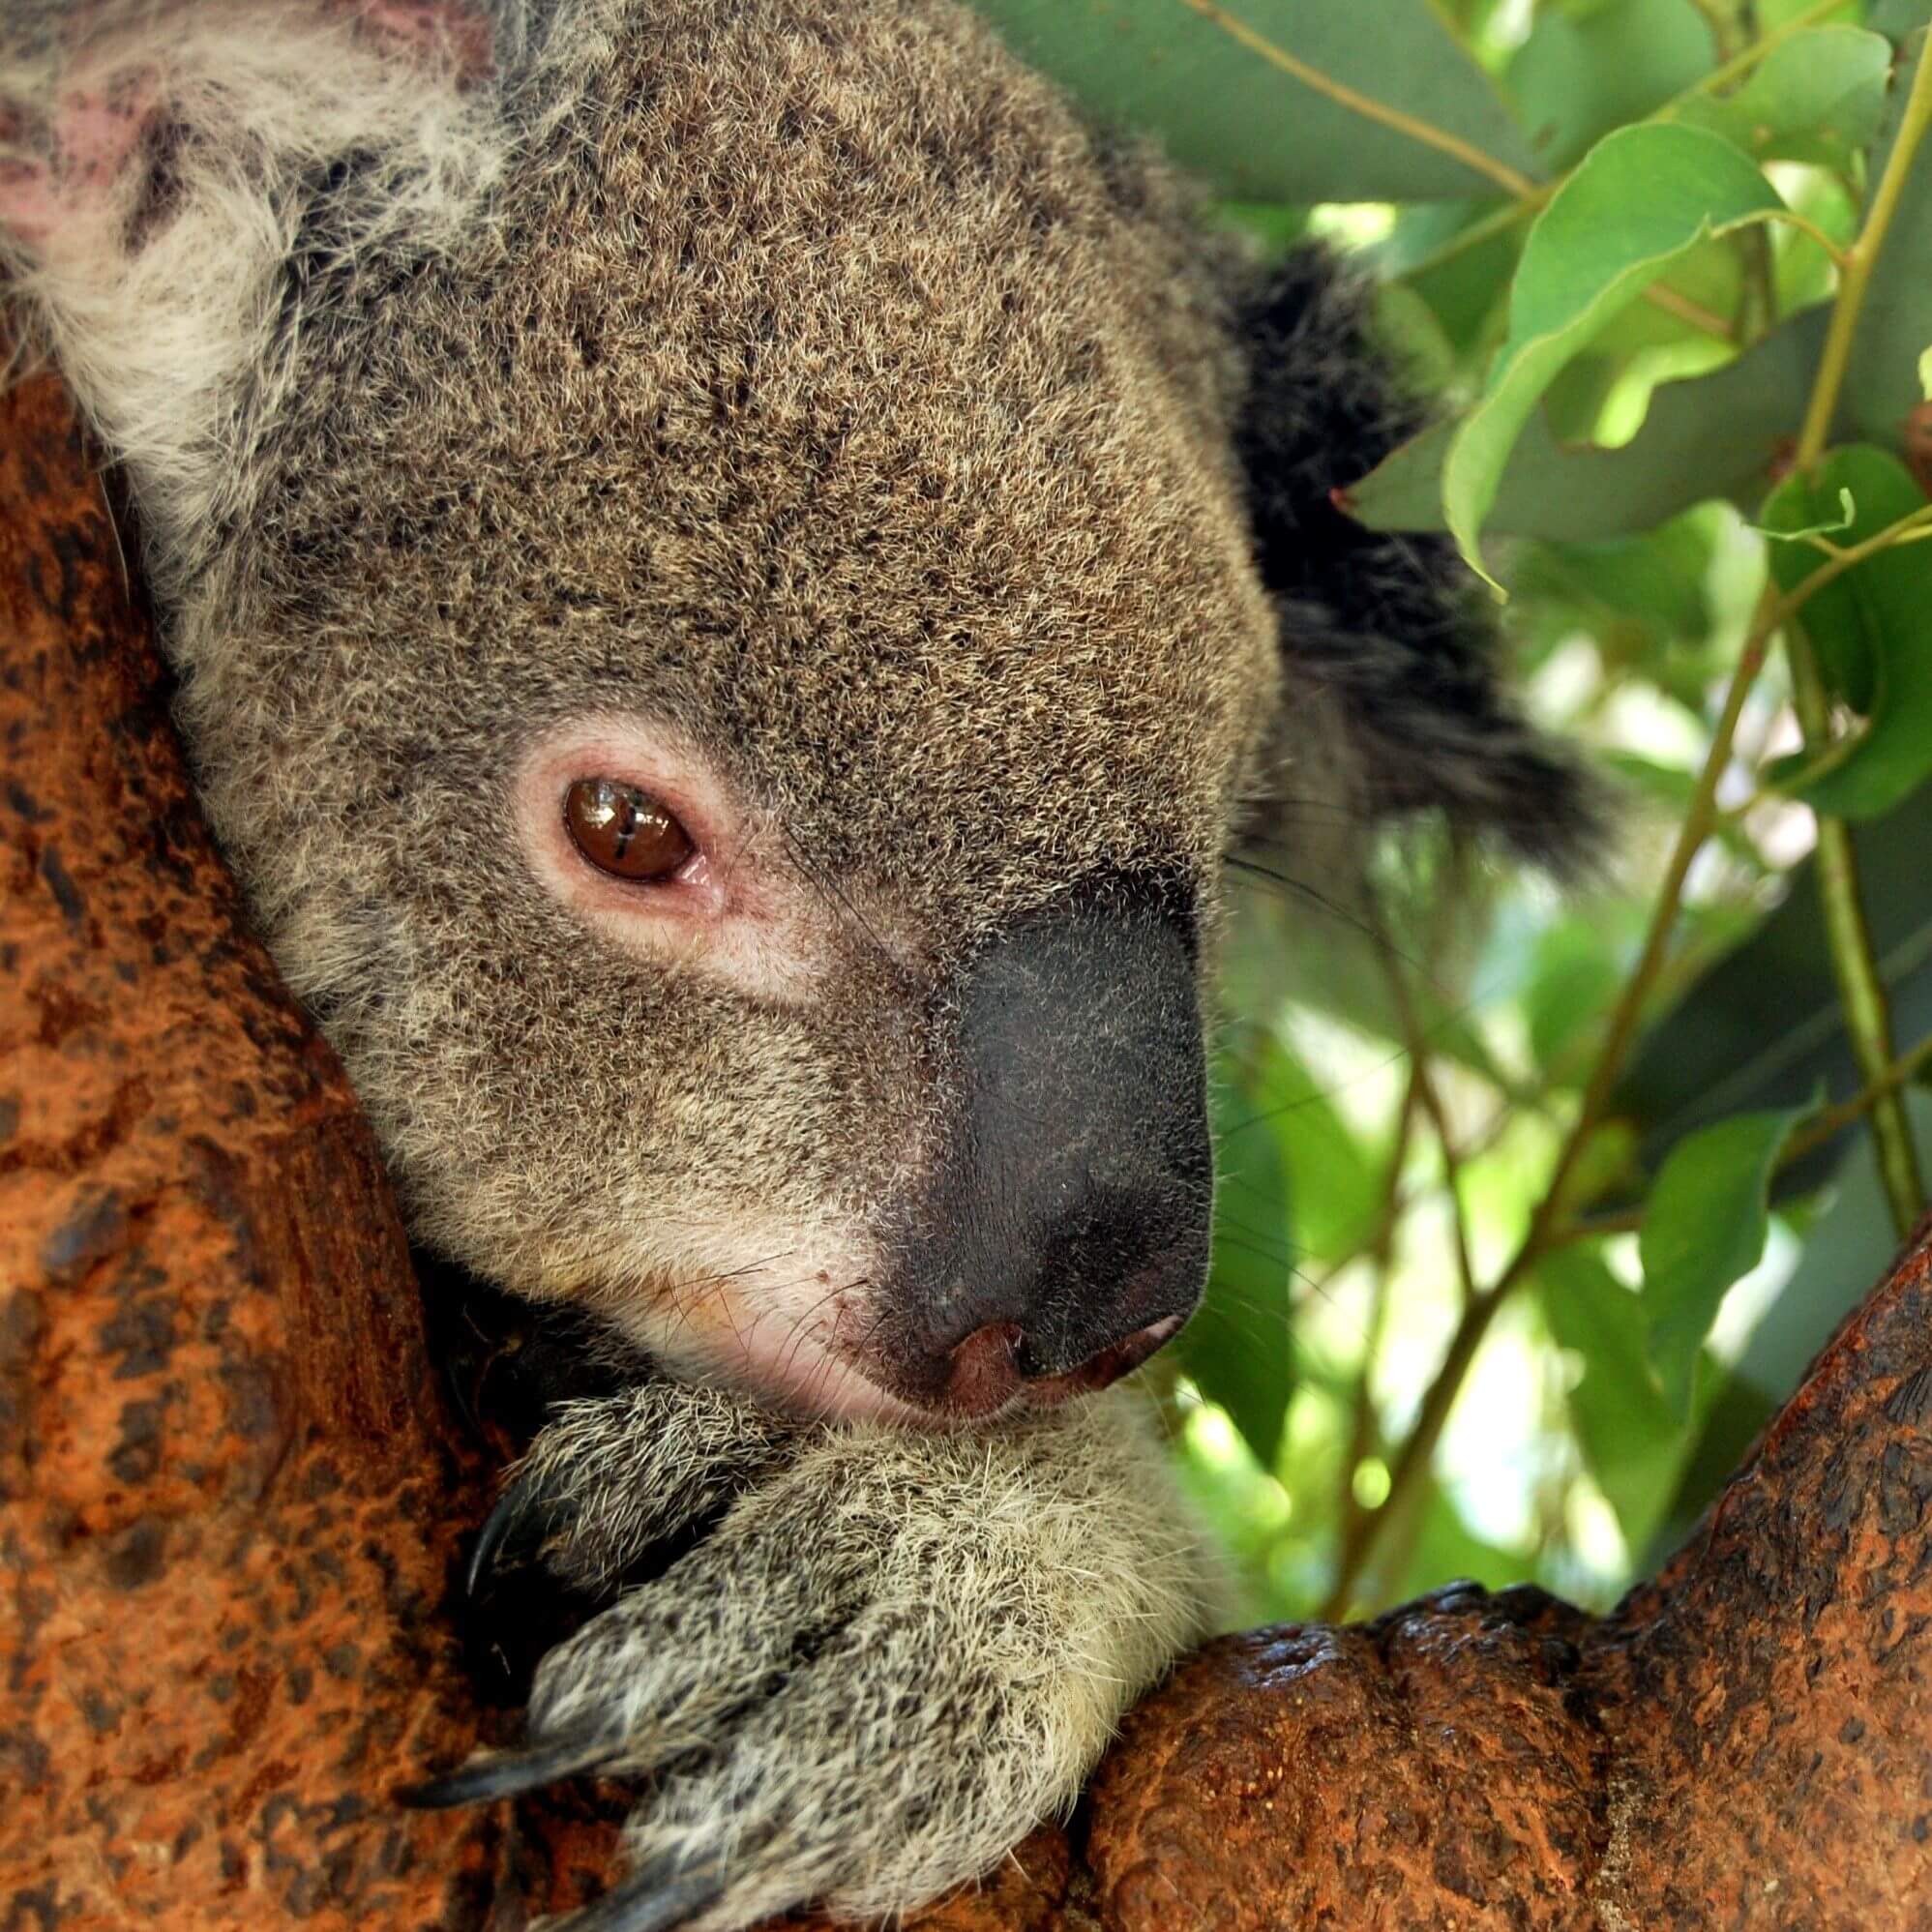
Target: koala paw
{"points": [[890, 1658]]}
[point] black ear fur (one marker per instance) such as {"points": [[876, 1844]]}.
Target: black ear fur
{"points": [[1391, 624]]}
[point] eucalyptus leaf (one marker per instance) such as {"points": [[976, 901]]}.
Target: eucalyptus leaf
{"points": [[1643, 198], [1631, 1443], [1446, 1549], [1716, 437], [1817, 96], [1898, 17], [1762, 1027], [1224, 109], [1881, 386], [1703, 1228], [1580, 73], [1871, 627], [1238, 1348]]}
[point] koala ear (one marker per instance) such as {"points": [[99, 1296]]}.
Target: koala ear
{"points": [[176, 174], [1387, 628]]}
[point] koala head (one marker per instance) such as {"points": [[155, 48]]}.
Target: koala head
{"points": [[736, 576]]}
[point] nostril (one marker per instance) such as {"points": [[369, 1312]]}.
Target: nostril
{"points": [[985, 1368], [1109, 1365]]}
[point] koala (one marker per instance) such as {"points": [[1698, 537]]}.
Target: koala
{"points": [[737, 576]]}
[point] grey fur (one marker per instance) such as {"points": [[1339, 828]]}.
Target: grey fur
{"points": [[792, 396]]}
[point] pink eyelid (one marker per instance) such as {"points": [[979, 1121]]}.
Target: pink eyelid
{"points": [[723, 913]]}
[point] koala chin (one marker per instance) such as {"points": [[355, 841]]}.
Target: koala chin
{"points": [[737, 575]]}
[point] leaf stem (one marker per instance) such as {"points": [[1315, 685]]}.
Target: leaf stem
{"points": [[1839, 255], [1901, 1073], [1862, 989], [1746, 58], [1426, 132]]}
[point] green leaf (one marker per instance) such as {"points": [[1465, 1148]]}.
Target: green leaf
{"points": [[1226, 112], [1446, 1549], [1717, 436], [1631, 1443], [1817, 96], [1704, 1227], [1293, 1183], [1465, 285], [1763, 1028], [1577, 971], [1881, 385], [1643, 198], [1238, 1348], [1575, 78], [1659, 579], [1899, 18], [1869, 627]]}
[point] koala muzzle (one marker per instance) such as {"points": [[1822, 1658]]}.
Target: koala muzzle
{"points": [[1066, 1237]]}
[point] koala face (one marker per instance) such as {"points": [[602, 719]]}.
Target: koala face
{"points": [[723, 631]]}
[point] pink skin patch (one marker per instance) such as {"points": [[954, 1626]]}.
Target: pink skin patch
{"points": [[68, 180], [63, 162], [434, 30]]}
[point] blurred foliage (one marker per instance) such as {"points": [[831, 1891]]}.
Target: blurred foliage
{"points": [[1533, 1205]]}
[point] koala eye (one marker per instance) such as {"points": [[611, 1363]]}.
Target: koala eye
{"points": [[624, 831]]}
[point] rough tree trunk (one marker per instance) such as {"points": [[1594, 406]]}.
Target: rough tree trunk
{"points": [[233, 1502]]}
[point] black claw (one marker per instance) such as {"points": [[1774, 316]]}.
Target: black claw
{"points": [[505, 1773], [652, 1900], [513, 1534]]}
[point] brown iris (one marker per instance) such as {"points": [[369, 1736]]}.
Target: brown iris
{"points": [[624, 831]]}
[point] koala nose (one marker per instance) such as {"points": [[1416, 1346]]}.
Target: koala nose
{"points": [[1067, 1236]]}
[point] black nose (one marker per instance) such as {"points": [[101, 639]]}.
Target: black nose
{"points": [[1066, 1237]]}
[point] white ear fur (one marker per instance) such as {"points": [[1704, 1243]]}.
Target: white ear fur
{"points": [[156, 160]]}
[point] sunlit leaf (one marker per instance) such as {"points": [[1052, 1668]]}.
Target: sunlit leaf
{"points": [[1223, 110], [1643, 198], [1446, 1549], [1703, 1228], [1871, 626]]}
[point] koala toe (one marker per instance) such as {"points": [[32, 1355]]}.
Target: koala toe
{"points": [[613, 1479], [864, 1788]]}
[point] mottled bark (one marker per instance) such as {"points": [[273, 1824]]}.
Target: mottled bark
{"points": [[231, 1500]]}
